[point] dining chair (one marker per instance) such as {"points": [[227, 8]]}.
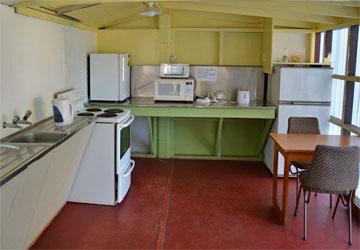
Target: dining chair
{"points": [[302, 125], [334, 170]]}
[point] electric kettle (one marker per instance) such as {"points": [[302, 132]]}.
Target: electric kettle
{"points": [[63, 112], [243, 96]]}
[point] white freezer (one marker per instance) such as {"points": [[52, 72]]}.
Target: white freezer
{"points": [[109, 77], [308, 85]]}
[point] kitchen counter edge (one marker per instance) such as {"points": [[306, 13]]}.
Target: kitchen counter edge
{"points": [[25, 163]]}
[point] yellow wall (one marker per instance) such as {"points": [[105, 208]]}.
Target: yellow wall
{"points": [[142, 45], [199, 48], [194, 47], [238, 42], [242, 48], [267, 45]]}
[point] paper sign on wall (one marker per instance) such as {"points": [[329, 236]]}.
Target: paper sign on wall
{"points": [[206, 74]]}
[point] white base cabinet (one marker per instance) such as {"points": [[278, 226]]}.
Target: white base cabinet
{"points": [[33, 198], [23, 204]]}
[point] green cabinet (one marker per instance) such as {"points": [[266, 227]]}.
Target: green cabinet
{"points": [[236, 133], [206, 138]]}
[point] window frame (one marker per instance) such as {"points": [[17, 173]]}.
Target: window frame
{"points": [[349, 78]]}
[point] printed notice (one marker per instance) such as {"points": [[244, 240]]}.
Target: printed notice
{"points": [[206, 74]]}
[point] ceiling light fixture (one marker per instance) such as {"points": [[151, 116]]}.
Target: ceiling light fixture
{"points": [[150, 10]]}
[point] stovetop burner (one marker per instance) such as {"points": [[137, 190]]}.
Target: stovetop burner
{"points": [[93, 110], [114, 111], [108, 115], [85, 114]]}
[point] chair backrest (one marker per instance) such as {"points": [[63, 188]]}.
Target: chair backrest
{"points": [[303, 125], [334, 169]]}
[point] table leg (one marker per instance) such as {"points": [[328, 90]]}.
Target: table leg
{"points": [[275, 176], [285, 190], [276, 209]]}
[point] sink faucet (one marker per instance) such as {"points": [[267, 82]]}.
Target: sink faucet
{"points": [[14, 123], [25, 118]]}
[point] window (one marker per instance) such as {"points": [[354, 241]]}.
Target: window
{"points": [[345, 100], [319, 47], [356, 102], [356, 105], [338, 63], [339, 51], [345, 61], [357, 72], [337, 98]]}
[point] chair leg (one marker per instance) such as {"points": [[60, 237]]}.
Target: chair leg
{"points": [[306, 201], [350, 218], [297, 200], [297, 183], [336, 205]]}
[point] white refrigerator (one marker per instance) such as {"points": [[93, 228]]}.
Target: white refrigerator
{"points": [[109, 77], [304, 92]]}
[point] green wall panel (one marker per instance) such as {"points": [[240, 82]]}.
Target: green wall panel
{"points": [[195, 136], [165, 137], [241, 137]]}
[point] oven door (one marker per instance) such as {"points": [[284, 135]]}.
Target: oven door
{"points": [[124, 181], [122, 145], [168, 90]]}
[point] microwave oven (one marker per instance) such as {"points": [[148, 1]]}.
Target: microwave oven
{"points": [[174, 70], [166, 89]]}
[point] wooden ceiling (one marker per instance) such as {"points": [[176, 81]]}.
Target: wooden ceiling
{"points": [[115, 14]]}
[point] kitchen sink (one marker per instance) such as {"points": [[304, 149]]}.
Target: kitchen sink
{"points": [[38, 137]]}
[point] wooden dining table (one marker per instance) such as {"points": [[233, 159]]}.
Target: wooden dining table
{"points": [[298, 147]]}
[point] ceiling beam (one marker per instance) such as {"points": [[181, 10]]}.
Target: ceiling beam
{"points": [[127, 19], [219, 16], [353, 3], [349, 3], [69, 8], [294, 24], [31, 3], [315, 8], [324, 27], [52, 18], [252, 12]]}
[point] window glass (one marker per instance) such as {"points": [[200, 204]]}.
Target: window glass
{"points": [[339, 51], [337, 98], [356, 105], [334, 129]]}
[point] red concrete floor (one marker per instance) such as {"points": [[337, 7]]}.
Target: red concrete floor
{"points": [[183, 204]]}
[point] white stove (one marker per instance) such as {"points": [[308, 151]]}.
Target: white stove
{"points": [[114, 115], [104, 175]]}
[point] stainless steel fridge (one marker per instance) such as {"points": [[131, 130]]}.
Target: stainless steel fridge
{"points": [[297, 92]]}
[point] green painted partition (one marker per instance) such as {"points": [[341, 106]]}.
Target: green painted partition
{"points": [[242, 137], [195, 136]]}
